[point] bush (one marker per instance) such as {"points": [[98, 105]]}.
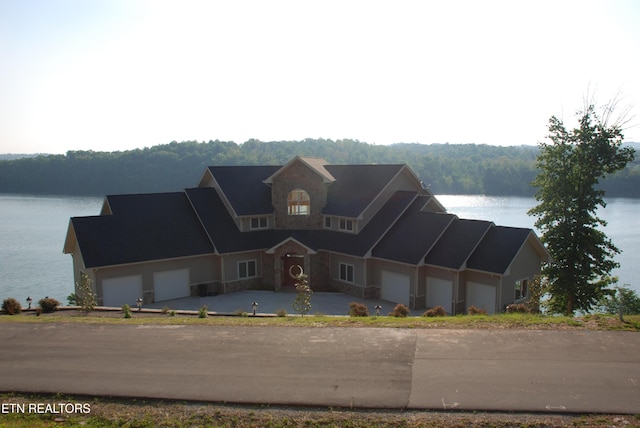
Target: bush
{"points": [[438, 311], [11, 306], [358, 310], [476, 311], [126, 309], [165, 310], [281, 313], [202, 313], [48, 305], [400, 311], [72, 299], [518, 308]]}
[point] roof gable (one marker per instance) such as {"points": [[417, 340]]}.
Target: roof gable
{"points": [[456, 245], [356, 186], [498, 248], [142, 227], [316, 165], [244, 188], [413, 235]]}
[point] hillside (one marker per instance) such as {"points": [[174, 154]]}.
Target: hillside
{"points": [[446, 168]]}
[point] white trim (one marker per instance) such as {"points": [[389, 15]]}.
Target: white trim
{"points": [[248, 276]]}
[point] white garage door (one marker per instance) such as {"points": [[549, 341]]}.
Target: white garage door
{"points": [[172, 284], [122, 290], [481, 296], [395, 287], [440, 293]]}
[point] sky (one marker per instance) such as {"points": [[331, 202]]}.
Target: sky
{"points": [[111, 75]]}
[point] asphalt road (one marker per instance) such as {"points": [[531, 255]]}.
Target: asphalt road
{"points": [[508, 370]]}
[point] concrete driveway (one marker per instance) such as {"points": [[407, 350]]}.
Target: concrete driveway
{"points": [[269, 302], [499, 370]]}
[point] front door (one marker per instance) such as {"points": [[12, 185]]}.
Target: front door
{"points": [[292, 264]]}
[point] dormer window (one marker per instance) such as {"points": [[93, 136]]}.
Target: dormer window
{"points": [[259, 223], [298, 202], [346, 224]]}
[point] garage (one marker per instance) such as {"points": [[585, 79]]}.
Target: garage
{"points": [[121, 290], [395, 287], [172, 284], [440, 293], [481, 296]]}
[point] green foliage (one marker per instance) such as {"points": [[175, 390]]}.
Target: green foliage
{"points": [[400, 311], [438, 311], [302, 302], [281, 313], [203, 312], [571, 166], [11, 306], [610, 303], [85, 297], [448, 168], [358, 309], [126, 310], [48, 304], [538, 288], [72, 299]]}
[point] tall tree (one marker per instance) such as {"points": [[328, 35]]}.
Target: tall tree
{"points": [[570, 166]]}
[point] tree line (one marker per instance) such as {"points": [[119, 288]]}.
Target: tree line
{"points": [[446, 168]]}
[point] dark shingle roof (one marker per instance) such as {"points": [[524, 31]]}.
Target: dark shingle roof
{"points": [[498, 248], [142, 227], [457, 243], [413, 234], [356, 186], [244, 188]]}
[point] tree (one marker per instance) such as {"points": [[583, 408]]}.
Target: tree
{"points": [[610, 303], [570, 167], [302, 303]]}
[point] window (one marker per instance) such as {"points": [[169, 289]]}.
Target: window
{"points": [[346, 272], [246, 269], [327, 222], [346, 224], [298, 202], [521, 289], [259, 223]]}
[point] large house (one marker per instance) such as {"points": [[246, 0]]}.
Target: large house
{"points": [[371, 231]]}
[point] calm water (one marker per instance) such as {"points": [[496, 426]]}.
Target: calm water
{"points": [[33, 230]]}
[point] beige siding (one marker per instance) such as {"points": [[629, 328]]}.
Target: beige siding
{"points": [[526, 264], [202, 270]]}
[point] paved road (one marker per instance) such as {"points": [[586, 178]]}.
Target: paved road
{"points": [[517, 370]]}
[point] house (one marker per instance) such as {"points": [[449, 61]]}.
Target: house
{"points": [[371, 231]]}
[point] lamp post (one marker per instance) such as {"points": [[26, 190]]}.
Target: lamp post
{"points": [[29, 300], [254, 305], [378, 309], [139, 303]]}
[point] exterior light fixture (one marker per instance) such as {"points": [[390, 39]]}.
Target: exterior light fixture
{"points": [[139, 303], [29, 300], [254, 305]]}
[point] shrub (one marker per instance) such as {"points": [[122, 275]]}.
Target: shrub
{"points": [[72, 299], [281, 313], [520, 308], [172, 313], [358, 310], [438, 311], [202, 313], [11, 306], [85, 297], [165, 310], [48, 305], [400, 311], [127, 310], [476, 311]]}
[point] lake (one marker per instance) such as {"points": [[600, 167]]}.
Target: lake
{"points": [[33, 230]]}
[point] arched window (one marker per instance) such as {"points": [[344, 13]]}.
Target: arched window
{"points": [[298, 202]]}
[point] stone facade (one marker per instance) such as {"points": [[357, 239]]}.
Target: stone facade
{"points": [[298, 176]]}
